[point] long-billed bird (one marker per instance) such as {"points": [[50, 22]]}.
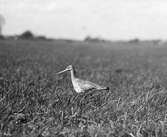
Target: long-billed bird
{"points": [[80, 85]]}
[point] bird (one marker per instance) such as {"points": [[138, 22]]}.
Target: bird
{"points": [[81, 85]]}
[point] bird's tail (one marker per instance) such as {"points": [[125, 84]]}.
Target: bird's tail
{"points": [[107, 88], [104, 88]]}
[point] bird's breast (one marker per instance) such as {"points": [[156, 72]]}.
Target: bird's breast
{"points": [[77, 87]]}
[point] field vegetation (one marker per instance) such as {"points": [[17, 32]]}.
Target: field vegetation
{"points": [[36, 102]]}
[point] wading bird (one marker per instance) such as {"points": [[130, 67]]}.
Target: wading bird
{"points": [[80, 85]]}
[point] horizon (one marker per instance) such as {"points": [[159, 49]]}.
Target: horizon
{"points": [[76, 19]]}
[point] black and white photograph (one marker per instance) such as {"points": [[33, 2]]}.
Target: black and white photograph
{"points": [[83, 68]]}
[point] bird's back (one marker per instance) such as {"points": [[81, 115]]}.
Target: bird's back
{"points": [[84, 85]]}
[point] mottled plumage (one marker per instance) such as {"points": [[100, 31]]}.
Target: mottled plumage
{"points": [[80, 85]]}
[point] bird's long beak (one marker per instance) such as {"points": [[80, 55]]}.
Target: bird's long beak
{"points": [[62, 71]]}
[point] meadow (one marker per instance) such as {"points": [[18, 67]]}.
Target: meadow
{"points": [[36, 102]]}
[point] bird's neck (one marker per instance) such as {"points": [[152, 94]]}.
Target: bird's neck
{"points": [[73, 74]]}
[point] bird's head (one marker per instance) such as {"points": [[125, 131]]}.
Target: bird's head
{"points": [[68, 68]]}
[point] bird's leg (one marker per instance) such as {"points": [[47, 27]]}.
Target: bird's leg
{"points": [[75, 97]]}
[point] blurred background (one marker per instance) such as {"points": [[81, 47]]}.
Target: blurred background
{"points": [[76, 19]]}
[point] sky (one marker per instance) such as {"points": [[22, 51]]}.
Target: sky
{"points": [[76, 19]]}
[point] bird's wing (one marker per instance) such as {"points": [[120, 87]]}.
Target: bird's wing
{"points": [[87, 85]]}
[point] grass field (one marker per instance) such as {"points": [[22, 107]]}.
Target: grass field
{"points": [[36, 102]]}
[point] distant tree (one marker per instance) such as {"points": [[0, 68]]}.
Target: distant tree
{"points": [[2, 37], [41, 37], [27, 35], [136, 40], [2, 22], [88, 38]]}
